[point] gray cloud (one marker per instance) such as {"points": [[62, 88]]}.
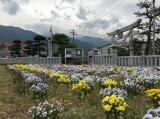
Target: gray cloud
{"points": [[43, 17], [24, 1], [10, 6], [54, 14], [61, 8], [82, 13], [67, 17], [115, 23], [43, 29], [35, 11], [114, 19], [102, 24], [69, 1], [45, 20], [99, 23]]}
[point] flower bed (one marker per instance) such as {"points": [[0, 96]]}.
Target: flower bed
{"points": [[111, 84]]}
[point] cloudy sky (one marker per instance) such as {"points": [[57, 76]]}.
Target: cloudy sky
{"points": [[86, 17]]}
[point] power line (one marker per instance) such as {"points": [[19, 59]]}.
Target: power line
{"points": [[104, 14], [102, 10], [104, 3], [97, 9], [114, 8]]}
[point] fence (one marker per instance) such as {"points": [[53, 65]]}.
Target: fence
{"points": [[149, 60], [32, 60], [144, 60], [103, 59]]}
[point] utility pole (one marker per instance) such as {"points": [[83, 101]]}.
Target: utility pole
{"points": [[51, 40], [153, 27], [73, 32]]}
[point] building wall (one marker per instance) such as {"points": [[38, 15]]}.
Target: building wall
{"points": [[4, 54], [106, 50], [92, 52]]}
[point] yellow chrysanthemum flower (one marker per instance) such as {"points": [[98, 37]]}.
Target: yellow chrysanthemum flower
{"points": [[107, 107], [120, 108]]}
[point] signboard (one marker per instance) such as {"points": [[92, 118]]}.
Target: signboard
{"points": [[74, 53], [68, 53]]}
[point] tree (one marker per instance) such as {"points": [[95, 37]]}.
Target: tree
{"points": [[29, 51], [137, 46], [122, 52], [15, 48], [3, 46], [39, 42], [157, 44], [148, 14], [62, 41]]}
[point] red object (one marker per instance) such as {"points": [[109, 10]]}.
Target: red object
{"points": [[11, 43]]}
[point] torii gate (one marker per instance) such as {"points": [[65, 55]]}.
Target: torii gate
{"points": [[119, 33]]}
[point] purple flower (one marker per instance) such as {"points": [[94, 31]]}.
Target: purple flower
{"points": [[148, 116], [157, 111]]}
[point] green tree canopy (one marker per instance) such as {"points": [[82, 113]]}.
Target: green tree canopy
{"points": [[122, 52], [137, 46], [29, 51], [15, 48], [60, 39], [157, 43], [39, 42]]}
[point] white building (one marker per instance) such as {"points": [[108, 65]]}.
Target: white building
{"points": [[104, 50]]}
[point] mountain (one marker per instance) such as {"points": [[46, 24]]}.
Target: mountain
{"points": [[82, 44], [97, 42], [10, 33]]}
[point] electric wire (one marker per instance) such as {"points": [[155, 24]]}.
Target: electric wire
{"points": [[104, 14], [101, 11]]}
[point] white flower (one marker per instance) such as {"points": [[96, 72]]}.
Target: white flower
{"points": [[39, 109], [46, 103], [44, 114], [37, 113], [50, 112]]}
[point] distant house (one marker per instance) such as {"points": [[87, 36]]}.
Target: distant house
{"points": [[103, 50], [4, 53], [106, 49]]}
